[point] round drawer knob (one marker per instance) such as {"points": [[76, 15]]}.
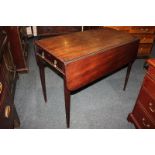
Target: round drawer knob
{"points": [[151, 107], [7, 111], [144, 123], [55, 63], [150, 104], [43, 55], [146, 30], [1, 87]]}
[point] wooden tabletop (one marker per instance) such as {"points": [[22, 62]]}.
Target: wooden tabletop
{"points": [[79, 44]]}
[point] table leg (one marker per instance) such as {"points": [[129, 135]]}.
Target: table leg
{"points": [[127, 75], [42, 78], [67, 104]]}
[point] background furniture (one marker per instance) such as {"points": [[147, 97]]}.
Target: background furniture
{"points": [[146, 34], [56, 30], [143, 114], [43, 31], [8, 77], [18, 38]]}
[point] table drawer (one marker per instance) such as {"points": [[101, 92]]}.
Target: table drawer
{"points": [[142, 29], [148, 102], [51, 60], [2, 90], [141, 118], [144, 49], [6, 115], [145, 38]]}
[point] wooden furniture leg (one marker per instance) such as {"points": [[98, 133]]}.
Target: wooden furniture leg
{"points": [[67, 105], [42, 77], [127, 75]]}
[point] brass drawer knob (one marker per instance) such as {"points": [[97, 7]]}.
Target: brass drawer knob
{"points": [[55, 63], [141, 48], [144, 123], [144, 38], [7, 111], [43, 55], [144, 29], [151, 108], [1, 87]]}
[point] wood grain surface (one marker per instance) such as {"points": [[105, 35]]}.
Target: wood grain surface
{"points": [[76, 45]]}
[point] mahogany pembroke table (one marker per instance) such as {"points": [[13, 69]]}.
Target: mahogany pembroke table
{"points": [[83, 57]]}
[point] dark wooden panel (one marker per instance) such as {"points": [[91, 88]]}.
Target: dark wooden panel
{"points": [[140, 118], [56, 30], [6, 115], [7, 85], [147, 101], [149, 84], [18, 48], [143, 114], [86, 70]]}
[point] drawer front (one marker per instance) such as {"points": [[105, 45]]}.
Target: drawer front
{"points": [[142, 29], [6, 114], [9, 71], [2, 92], [51, 60], [149, 84], [141, 118], [148, 102], [145, 38], [2, 88], [144, 49], [151, 72]]}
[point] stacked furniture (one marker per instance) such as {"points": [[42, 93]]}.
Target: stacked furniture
{"points": [[18, 38], [143, 114], [146, 34], [44, 31], [8, 77]]}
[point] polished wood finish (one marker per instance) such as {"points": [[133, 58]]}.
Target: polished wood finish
{"points": [[84, 57], [78, 45], [143, 114], [146, 34], [8, 77], [19, 47], [67, 103]]}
